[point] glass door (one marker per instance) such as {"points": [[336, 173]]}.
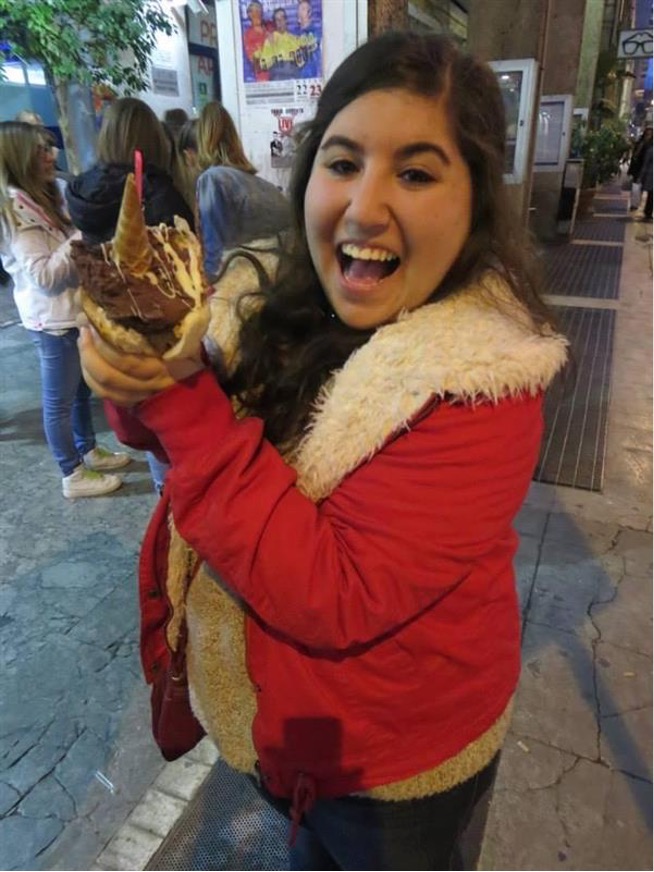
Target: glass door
{"points": [[517, 81]]}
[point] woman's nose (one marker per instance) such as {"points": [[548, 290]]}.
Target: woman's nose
{"points": [[369, 207]]}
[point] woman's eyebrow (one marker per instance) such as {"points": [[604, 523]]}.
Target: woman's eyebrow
{"points": [[415, 148], [407, 151], [342, 142]]}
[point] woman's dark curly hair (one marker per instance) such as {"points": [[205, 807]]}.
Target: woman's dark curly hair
{"points": [[290, 346]]}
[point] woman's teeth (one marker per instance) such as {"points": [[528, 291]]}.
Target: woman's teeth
{"points": [[365, 264], [365, 253]]}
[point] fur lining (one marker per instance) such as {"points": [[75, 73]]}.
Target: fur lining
{"points": [[238, 279], [180, 558], [456, 770], [222, 695], [465, 348], [477, 345]]}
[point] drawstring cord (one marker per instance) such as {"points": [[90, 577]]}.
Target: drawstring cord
{"points": [[304, 797]]}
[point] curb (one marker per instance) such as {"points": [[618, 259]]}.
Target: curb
{"points": [[162, 805]]}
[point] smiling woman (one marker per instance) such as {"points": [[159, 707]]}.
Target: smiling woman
{"points": [[351, 474], [388, 206]]}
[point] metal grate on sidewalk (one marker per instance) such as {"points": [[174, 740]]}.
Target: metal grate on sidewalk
{"points": [[609, 230], [583, 270], [227, 825], [576, 405], [615, 205]]}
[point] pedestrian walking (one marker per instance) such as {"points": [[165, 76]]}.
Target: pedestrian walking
{"points": [[636, 166], [645, 180]]}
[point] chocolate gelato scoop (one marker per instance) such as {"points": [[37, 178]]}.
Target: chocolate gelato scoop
{"points": [[151, 304], [144, 290]]}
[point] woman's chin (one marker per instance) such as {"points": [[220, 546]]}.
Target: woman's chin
{"points": [[360, 316]]}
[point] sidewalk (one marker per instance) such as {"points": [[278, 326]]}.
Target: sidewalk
{"points": [[574, 788], [82, 784], [76, 753]]}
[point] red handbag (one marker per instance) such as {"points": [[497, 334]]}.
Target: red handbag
{"points": [[175, 728]]}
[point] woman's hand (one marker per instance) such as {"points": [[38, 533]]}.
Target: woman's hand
{"points": [[126, 379]]}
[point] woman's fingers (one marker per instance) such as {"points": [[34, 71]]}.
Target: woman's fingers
{"points": [[121, 398], [123, 378], [139, 367]]}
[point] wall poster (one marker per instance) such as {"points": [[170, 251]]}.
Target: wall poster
{"points": [[281, 43], [281, 48], [282, 144]]}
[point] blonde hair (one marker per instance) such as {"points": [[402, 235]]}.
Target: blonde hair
{"points": [[218, 141], [29, 117], [187, 171], [20, 144], [130, 124]]}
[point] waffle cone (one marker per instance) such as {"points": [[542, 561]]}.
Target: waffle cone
{"points": [[131, 249]]}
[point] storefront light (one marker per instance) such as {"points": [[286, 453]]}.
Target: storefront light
{"points": [[35, 74], [14, 73]]}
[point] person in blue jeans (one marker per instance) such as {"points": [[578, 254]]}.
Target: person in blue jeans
{"points": [[35, 237], [94, 196]]}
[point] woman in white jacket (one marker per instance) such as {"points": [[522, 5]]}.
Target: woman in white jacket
{"points": [[35, 238]]}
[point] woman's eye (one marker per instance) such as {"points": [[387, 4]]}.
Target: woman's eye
{"points": [[417, 177], [342, 167]]}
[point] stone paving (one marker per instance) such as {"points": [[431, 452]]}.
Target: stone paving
{"points": [[75, 748], [81, 783], [574, 789]]}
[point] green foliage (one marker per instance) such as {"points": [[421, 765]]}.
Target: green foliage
{"points": [[602, 150], [86, 41]]}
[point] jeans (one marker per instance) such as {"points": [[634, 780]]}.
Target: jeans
{"points": [[66, 398], [353, 832], [158, 471]]}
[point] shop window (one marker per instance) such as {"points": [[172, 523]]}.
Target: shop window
{"points": [[203, 55]]}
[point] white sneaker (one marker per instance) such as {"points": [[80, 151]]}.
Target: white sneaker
{"points": [[83, 482], [102, 460]]}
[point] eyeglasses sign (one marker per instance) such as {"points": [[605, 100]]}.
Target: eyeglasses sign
{"points": [[635, 44]]}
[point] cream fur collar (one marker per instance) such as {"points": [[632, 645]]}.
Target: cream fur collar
{"points": [[477, 345], [464, 348]]}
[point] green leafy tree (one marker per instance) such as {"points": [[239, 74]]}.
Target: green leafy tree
{"points": [[85, 42], [602, 150]]}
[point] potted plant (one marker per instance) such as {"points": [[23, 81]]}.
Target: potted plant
{"points": [[602, 150]]}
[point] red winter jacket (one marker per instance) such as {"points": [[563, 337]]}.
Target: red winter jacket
{"points": [[382, 627], [381, 644]]}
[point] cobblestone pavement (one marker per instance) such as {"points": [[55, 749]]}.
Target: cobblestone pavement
{"points": [[75, 748]]}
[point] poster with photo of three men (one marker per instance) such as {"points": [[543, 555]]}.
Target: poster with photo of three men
{"points": [[282, 40]]}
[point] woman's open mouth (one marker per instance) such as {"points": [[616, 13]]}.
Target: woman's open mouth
{"points": [[362, 264]]}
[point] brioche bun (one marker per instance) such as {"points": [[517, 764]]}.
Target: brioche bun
{"points": [[189, 332]]}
